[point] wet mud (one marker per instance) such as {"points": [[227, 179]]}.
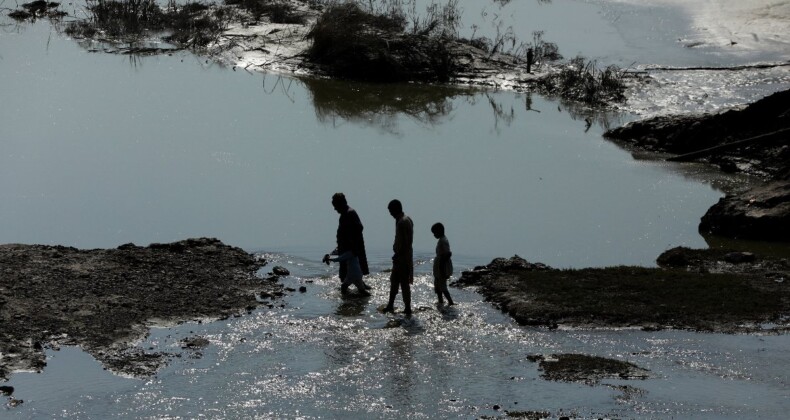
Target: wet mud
{"points": [[104, 300], [754, 140], [586, 369], [698, 290]]}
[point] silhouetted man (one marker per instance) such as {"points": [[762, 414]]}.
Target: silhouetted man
{"points": [[349, 235], [530, 59], [402, 265]]}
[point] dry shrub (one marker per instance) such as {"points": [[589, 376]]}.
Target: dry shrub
{"points": [[276, 10], [191, 25], [582, 80], [353, 43]]}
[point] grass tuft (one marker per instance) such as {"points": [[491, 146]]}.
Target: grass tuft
{"points": [[356, 43], [582, 80]]}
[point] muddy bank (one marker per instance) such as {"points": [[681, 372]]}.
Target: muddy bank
{"points": [[765, 121], [586, 369], [360, 41], [700, 290], [754, 140], [104, 299]]}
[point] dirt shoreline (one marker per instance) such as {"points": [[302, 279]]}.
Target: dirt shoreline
{"points": [[698, 290], [104, 300], [754, 140]]}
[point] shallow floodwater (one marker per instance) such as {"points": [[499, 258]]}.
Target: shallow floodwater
{"points": [[98, 150], [325, 356]]}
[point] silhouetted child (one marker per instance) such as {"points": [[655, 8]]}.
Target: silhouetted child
{"points": [[442, 264], [353, 271]]}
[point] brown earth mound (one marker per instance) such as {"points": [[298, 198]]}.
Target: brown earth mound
{"points": [[695, 289], [754, 140], [102, 299]]}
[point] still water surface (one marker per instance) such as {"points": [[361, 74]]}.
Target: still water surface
{"points": [[99, 150]]}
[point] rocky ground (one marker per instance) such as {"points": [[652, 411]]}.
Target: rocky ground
{"points": [[706, 290], [701, 290], [104, 299], [754, 140]]}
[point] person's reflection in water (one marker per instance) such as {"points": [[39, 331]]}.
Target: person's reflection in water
{"points": [[352, 306], [404, 375]]}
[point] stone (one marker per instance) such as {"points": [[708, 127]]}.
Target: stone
{"points": [[281, 271], [762, 213], [739, 257]]}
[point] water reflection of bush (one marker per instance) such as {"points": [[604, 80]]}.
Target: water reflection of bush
{"points": [[381, 105]]}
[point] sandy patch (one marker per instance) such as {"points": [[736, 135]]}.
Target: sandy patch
{"points": [[747, 25]]}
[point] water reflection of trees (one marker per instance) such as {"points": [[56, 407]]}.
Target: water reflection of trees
{"points": [[337, 102], [381, 105]]}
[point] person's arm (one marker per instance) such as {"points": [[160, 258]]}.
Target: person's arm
{"points": [[342, 257]]}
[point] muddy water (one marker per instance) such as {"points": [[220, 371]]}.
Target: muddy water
{"points": [[99, 150]]}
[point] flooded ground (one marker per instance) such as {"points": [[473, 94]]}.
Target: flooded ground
{"points": [[325, 356]]}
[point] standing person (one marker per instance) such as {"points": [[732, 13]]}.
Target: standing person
{"points": [[349, 236], [442, 264], [353, 271], [402, 264], [530, 59]]}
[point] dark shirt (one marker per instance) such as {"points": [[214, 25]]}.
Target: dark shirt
{"points": [[349, 237]]}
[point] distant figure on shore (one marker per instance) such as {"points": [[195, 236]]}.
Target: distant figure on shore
{"points": [[442, 264], [353, 274], [402, 275], [349, 236], [530, 59]]}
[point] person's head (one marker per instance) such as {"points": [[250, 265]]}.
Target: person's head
{"points": [[395, 208], [339, 202], [438, 230]]}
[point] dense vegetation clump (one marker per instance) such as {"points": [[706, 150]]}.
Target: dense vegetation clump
{"points": [[582, 80], [192, 24], [277, 11], [351, 42]]}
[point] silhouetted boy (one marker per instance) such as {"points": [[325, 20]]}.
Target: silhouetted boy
{"points": [[442, 264]]}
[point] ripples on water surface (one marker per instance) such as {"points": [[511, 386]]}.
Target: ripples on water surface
{"points": [[325, 356]]}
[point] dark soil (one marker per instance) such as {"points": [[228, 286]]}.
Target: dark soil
{"points": [[586, 369], [701, 290], [680, 134], [754, 140], [103, 299]]}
